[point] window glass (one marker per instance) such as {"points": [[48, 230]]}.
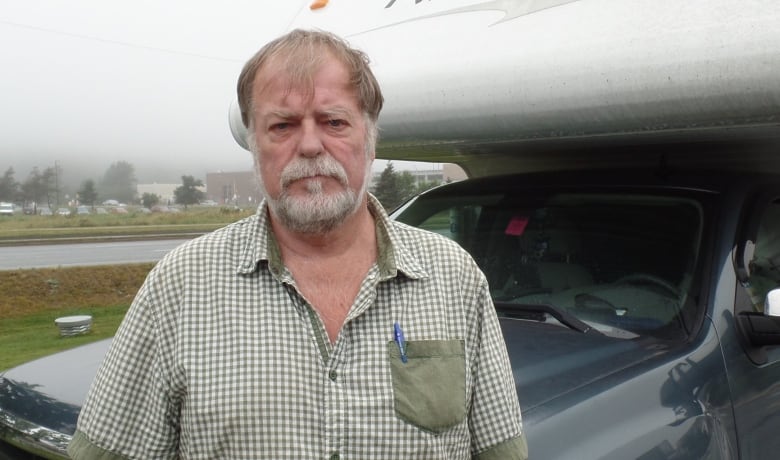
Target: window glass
{"points": [[764, 266], [622, 263]]}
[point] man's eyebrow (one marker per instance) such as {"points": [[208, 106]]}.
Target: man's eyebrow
{"points": [[284, 114], [339, 112]]}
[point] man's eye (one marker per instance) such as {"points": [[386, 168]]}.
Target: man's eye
{"points": [[336, 123], [279, 126]]}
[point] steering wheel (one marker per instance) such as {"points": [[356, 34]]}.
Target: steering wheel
{"points": [[639, 279]]}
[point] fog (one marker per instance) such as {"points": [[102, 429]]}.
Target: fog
{"points": [[87, 83]]}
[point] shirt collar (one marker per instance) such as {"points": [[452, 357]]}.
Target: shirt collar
{"points": [[393, 255]]}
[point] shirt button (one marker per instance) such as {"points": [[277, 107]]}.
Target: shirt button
{"points": [[333, 375]]}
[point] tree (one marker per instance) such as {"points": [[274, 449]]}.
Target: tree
{"points": [[40, 187], [31, 187], [386, 189], [393, 188], [9, 188], [149, 199], [119, 182], [87, 193], [407, 186], [188, 193], [49, 179]]}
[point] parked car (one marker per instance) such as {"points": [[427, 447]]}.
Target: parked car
{"points": [[160, 208], [63, 212], [44, 211], [6, 209]]}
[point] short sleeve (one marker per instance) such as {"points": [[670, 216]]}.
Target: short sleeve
{"points": [[494, 420], [130, 408]]}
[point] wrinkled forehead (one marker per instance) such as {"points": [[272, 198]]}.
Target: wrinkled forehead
{"points": [[294, 71]]}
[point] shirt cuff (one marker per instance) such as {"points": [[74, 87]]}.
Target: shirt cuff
{"points": [[81, 447], [511, 449]]}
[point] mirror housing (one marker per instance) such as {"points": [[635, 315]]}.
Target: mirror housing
{"points": [[762, 329]]}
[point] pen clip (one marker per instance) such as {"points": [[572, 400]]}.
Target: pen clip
{"points": [[399, 339]]}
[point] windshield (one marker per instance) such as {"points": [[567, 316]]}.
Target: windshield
{"points": [[621, 262]]}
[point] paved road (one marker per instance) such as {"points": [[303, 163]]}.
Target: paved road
{"points": [[68, 255]]}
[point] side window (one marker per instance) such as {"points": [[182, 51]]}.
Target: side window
{"points": [[457, 223], [764, 265]]}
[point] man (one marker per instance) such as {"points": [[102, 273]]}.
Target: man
{"points": [[317, 328]]}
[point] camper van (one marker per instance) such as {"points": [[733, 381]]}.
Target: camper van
{"points": [[623, 201]]}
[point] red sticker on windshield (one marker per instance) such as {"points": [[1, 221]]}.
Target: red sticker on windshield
{"points": [[516, 226]]}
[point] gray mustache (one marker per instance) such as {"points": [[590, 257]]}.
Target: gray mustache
{"points": [[322, 165]]}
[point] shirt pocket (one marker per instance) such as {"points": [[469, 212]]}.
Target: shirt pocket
{"points": [[429, 390]]}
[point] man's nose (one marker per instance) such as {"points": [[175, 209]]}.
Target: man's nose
{"points": [[311, 142]]}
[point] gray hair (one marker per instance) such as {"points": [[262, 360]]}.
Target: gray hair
{"points": [[300, 53]]}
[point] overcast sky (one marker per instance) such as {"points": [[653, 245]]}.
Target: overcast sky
{"points": [[87, 83]]}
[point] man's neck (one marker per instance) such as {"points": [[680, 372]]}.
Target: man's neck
{"points": [[329, 269]]}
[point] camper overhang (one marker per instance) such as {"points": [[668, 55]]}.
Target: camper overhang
{"points": [[485, 83]]}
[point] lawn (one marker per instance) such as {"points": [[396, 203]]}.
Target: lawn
{"points": [[30, 300], [26, 338], [194, 220], [33, 299]]}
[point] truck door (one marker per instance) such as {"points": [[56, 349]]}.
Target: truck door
{"points": [[754, 370]]}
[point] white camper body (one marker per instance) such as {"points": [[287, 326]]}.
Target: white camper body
{"points": [[474, 81]]}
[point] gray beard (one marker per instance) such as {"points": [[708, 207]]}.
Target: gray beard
{"points": [[316, 212]]}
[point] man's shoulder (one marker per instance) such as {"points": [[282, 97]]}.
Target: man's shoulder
{"points": [[408, 233], [220, 244], [426, 244]]}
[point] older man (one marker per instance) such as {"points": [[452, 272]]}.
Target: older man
{"points": [[317, 328]]}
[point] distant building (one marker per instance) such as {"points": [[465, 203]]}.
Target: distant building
{"points": [[233, 188]]}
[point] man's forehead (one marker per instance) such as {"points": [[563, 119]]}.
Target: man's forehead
{"points": [[283, 73], [277, 92]]}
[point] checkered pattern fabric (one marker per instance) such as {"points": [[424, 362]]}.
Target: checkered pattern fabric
{"points": [[221, 357]]}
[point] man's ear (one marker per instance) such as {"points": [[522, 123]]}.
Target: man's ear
{"points": [[237, 128]]}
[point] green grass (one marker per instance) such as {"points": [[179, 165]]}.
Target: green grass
{"points": [[33, 336], [33, 299], [196, 220]]}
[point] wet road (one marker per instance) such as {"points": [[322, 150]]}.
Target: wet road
{"points": [[68, 255]]}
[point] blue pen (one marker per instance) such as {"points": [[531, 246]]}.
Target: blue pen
{"points": [[399, 339]]}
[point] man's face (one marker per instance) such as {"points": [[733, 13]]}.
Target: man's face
{"points": [[311, 147]]}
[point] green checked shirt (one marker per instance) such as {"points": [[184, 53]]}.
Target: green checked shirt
{"points": [[220, 357]]}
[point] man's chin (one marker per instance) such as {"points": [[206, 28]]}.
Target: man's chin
{"points": [[314, 213]]}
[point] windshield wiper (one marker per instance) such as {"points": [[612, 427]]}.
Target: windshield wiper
{"points": [[536, 312]]}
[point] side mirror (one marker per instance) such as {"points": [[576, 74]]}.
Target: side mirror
{"points": [[772, 303], [762, 329]]}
